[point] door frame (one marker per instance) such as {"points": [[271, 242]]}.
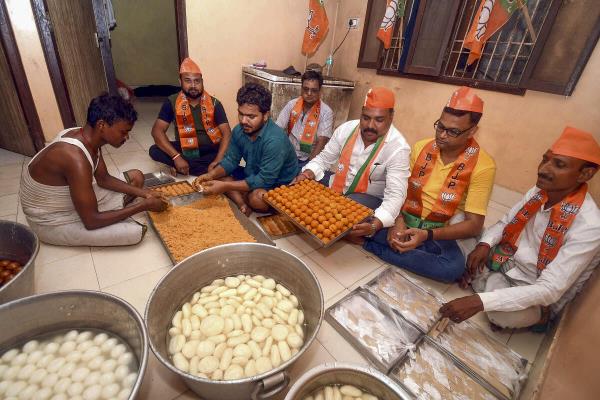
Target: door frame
{"points": [[19, 77], [48, 41]]}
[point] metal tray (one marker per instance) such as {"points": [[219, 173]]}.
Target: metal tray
{"points": [[156, 179], [312, 235], [426, 339], [395, 304], [251, 227], [484, 382], [261, 223], [415, 334]]}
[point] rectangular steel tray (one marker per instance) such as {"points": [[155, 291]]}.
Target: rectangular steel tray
{"points": [[474, 374], [458, 364], [312, 235], [261, 223], [156, 179], [250, 226], [350, 338]]}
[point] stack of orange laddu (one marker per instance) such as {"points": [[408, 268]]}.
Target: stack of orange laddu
{"points": [[323, 212]]}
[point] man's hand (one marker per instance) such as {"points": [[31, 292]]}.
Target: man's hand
{"points": [[197, 183], [476, 261], [462, 308], [306, 174], [215, 187], [366, 228], [182, 166], [396, 235], [152, 193], [157, 204], [213, 165], [415, 238]]}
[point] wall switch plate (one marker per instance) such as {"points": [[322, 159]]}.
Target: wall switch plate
{"points": [[353, 23]]}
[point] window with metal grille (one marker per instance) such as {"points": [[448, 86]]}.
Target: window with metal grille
{"points": [[527, 52]]}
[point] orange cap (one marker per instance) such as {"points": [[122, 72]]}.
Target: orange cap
{"points": [[576, 143], [380, 97], [189, 65], [465, 99]]}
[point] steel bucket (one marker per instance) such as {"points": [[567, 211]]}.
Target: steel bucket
{"points": [[360, 376], [21, 244], [78, 309], [202, 268]]}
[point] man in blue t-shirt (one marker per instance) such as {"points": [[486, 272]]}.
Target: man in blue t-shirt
{"points": [[269, 155], [202, 132]]}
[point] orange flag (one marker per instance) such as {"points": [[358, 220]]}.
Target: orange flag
{"points": [[393, 10], [316, 26], [490, 17]]}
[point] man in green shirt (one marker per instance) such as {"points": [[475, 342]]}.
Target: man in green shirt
{"points": [[202, 132], [269, 155]]}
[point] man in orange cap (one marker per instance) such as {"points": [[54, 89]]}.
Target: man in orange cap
{"points": [[448, 193], [537, 257], [202, 132], [371, 159]]}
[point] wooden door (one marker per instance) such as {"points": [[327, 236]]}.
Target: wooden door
{"points": [[20, 129], [75, 37]]}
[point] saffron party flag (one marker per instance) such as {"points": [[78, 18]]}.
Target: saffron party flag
{"points": [[490, 17], [393, 11], [316, 27]]}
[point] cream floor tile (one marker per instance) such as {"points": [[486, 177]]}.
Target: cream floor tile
{"points": [[526, 343], [8, 171], [336, 298], [337, 346], [70, 273], [129, 146], [159, 382], [9, 157], [144, 140], [135, 160], [137, 290], [454, 292], [8, 204], [329, 285], [286, 244], [367, 278], [189, 395], [118, 264], [10, 185], [303, 242], [49, 253], [494, 214], [346, 263]]}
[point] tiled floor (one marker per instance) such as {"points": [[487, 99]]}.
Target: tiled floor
{"points": [[132, 272]]}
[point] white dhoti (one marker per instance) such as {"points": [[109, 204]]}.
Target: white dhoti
{"points": [[51, 214], [489, 281]]}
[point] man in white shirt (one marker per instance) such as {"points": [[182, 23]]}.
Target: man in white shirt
{"points": [[373, 163], [307, 120], [538, 256]]}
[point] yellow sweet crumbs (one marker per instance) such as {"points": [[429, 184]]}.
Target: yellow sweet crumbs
{"points": [[200, 225]]}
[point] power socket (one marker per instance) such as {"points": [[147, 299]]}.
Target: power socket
{"points": [[353, 23]]}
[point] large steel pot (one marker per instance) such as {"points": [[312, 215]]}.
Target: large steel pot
{"points": [[199, 270], [360, 376], [78, 309], [21, 244]]}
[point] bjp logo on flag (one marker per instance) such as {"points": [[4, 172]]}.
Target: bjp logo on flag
{"points": [[317, 26]]}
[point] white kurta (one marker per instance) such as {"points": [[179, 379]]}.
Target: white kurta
{"points": [[563, 277], [388, 178]]}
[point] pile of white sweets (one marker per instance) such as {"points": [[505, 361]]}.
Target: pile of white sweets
{"points": [[76, 365], [235, 328], [343, 392]]}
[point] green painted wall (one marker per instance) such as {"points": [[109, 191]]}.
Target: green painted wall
{"points": [[144, 43]]}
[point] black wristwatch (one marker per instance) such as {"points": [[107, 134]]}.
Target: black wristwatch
{"points": [[429, 234]]}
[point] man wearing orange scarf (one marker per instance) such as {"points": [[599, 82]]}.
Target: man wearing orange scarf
{"points": [[371, 159], [202, 132], [537, 257], [448, 193]]}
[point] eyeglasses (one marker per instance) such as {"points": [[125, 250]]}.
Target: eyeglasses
{"points": [[452, 132]]}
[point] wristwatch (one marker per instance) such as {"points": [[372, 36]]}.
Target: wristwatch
{"points": [[373, 230]]}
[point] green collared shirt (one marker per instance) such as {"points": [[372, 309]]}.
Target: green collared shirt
{"points": [[270, 159]]}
